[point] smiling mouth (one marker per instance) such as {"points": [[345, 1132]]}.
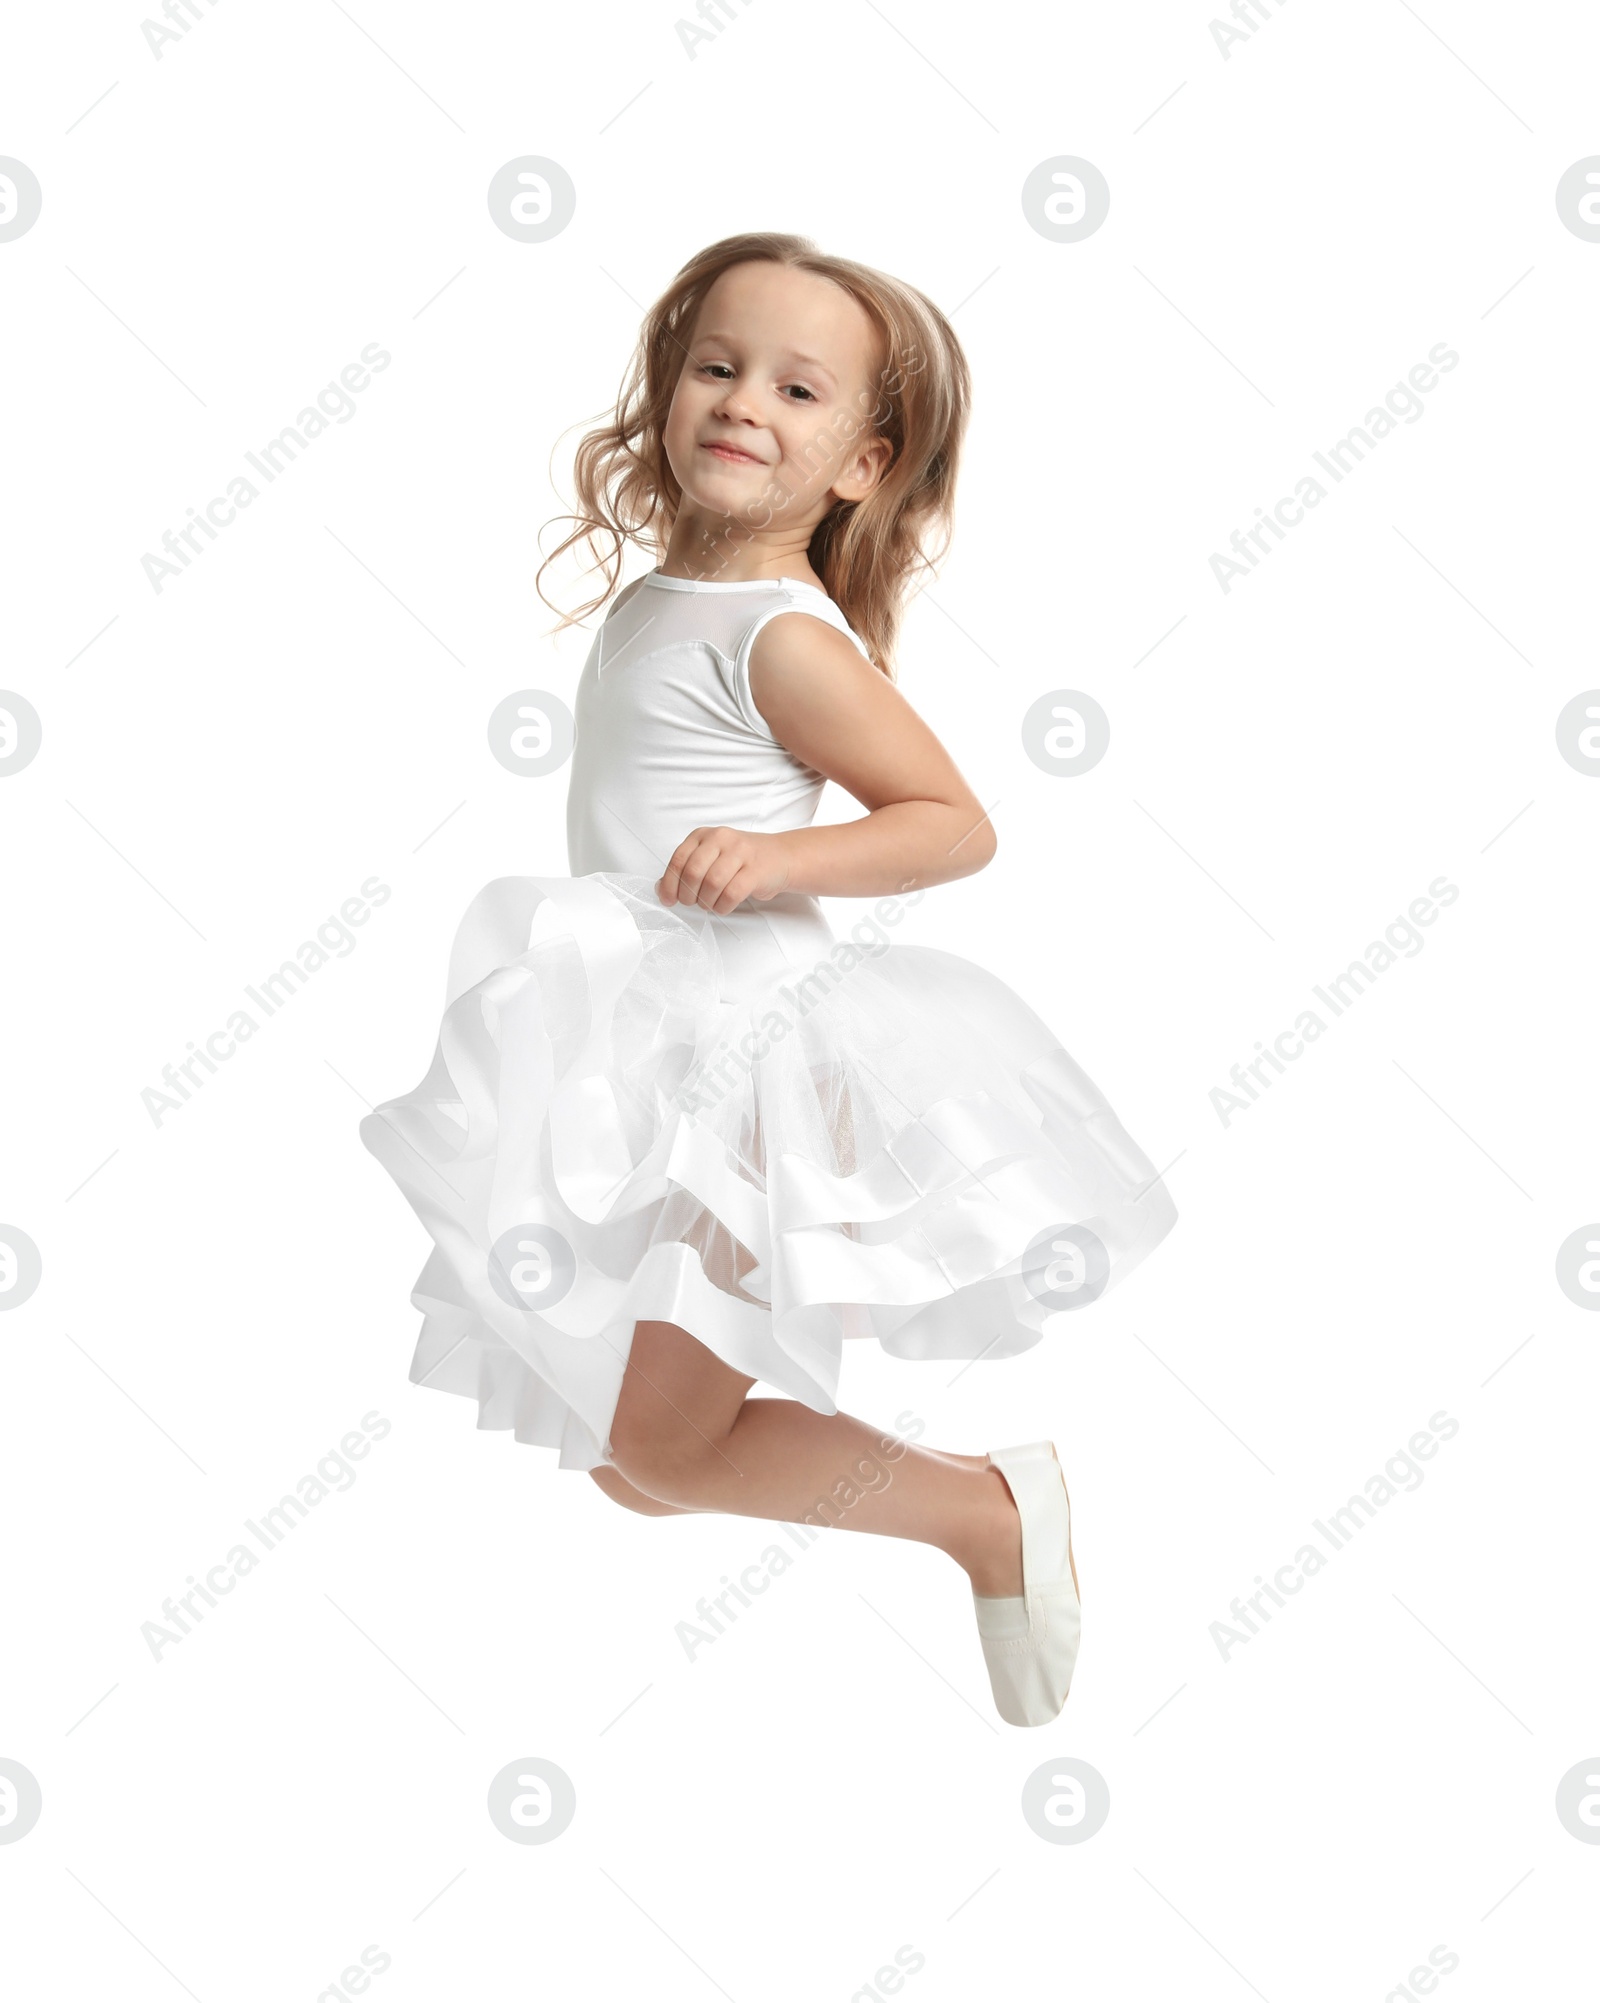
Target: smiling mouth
{"points": [[733, 455]]}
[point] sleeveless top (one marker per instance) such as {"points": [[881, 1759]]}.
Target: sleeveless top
{"points": [[669, 739]]}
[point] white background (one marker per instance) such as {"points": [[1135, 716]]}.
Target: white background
{"points": [[1292, 763]]}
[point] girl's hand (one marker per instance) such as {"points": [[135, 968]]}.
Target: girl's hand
{"points": [[718, 868]]}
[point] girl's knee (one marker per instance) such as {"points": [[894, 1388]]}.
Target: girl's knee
{"points": [[678, 1402], [611, 1482], [667, 1463]]}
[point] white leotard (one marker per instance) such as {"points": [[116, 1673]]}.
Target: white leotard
{"points": [[669, 738]]}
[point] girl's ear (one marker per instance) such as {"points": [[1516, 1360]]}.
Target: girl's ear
{"points": [[863, 470]]}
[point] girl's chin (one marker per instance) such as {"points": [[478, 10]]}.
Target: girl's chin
{"points": [[719, 483], [724, 503], [724, 476]]}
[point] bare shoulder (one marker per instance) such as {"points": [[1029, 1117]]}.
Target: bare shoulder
{"points": [[798, 657], [834, 711]]}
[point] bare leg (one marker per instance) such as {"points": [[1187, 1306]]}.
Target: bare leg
{"points": [[612, 1483], [687, 1433]]}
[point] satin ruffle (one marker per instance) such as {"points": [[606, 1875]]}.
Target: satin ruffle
{"points": [[776, 1153]]}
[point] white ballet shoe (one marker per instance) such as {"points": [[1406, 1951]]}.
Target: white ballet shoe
{"points": [[1031, 1644]]}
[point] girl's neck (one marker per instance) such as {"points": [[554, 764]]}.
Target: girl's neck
{"points": [[712, 549]]}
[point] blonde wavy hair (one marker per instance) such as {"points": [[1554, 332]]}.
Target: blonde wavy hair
{"points": [[866, 552]]}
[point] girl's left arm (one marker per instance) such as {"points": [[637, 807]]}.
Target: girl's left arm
{"points": [[830, 708]]}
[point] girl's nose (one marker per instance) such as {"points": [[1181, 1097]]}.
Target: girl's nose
{"points": [[733, 406]]}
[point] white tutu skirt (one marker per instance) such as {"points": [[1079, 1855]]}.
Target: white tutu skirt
{"points": [[771, 1137]]}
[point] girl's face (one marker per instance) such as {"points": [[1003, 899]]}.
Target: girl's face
{"points": [[770, 421]]}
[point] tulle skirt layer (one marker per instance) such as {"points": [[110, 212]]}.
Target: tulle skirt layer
{"points": [[776, 1139]]}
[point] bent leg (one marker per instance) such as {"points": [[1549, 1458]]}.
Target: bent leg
{"points": [[687, 1433], [610, 1481]]}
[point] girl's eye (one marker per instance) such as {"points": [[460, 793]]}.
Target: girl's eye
{"points": [[722, 372]]}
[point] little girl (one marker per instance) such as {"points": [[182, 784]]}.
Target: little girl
{"points": [[678, 1138]]}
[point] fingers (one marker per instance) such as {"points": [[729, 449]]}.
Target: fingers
{"points": [[672, 887], [705, 869], [720, 885], [690, 861], [667, 888]]}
